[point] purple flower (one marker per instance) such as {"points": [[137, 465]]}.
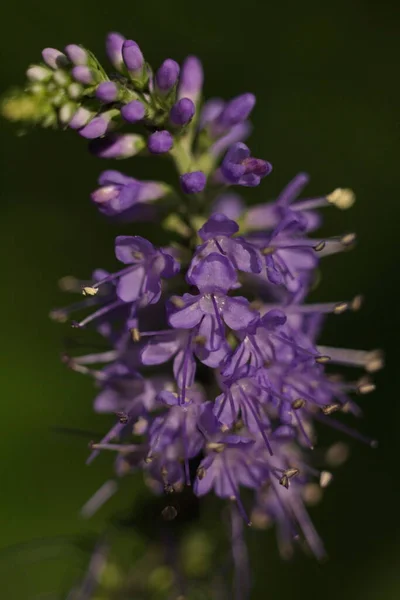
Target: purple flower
{"points": [[217, 234], [142, 280], [236, 110], [167, 76], [133, 112], [160, 142], [107, 92], [191, 79], [241, 168], [96, 128], [193, 183], [114, 44], [209, 313], [182, 112], [119, 192]]}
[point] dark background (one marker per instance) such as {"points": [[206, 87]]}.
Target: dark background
{"points": [[327, 86]]}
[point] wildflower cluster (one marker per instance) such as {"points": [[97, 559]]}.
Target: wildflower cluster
{"points": [[213, 370]]}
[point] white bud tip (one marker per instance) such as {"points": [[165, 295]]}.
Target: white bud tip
{"points": [[89, 291], [342, 198], [325, 479]]}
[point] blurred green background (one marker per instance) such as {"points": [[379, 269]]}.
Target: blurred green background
{"points": [[327, 86]]}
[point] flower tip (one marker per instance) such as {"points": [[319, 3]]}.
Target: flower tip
{"points": [[342, 198], [193, 183]]}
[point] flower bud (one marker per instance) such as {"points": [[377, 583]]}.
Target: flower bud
{"points": [[76, 54], [191, 80], [80, 118], [133, 111], [193, 183], [54, 58], [167, 76], [118, 146], [160, 142], [95, 128], [114, 43], [133, 57], [82, 74], [237, 110], [107, 92], [38, 73], [182, 112]]}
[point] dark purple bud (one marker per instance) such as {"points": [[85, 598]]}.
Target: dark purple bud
{"points": [[95, 128], [193, 183], [191, 80], [107, 92], [160, 142], [167, 75], [114, 43], [76, 54], [83, 74], [182, 112], [237, 110], [133, 57], [54, 58], [133, 111]]}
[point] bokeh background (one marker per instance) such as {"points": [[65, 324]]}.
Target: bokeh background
{"points": [[327, 86]]}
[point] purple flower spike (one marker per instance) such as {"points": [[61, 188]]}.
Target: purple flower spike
{"points": [[193, 183], [160, 142], [83, 74], [133, 57], [96, 128], [76, 54], [237, 110], [182, 112], [133, 111], [167, 75], [191, 80], [114, 43], [118, 146], [54, 58], [241, 168], [107, 92]]}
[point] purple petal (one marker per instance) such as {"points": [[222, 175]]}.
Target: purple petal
{"points": [[218, 224], [237, 313], [213, 273], [130, 285]]}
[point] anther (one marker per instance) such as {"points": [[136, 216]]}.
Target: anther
{"points": [[322, 360], [284, 480], [201, 473], [340, 308], [342, 198], [374, 361], [348, 239], [357, 303], [325, 478], [216, 446], [366, 388], [268, 250], [328, 409], [89, 291], [135, 334], [177, 302], [320, 246], [123, 417], [299, 403], [291, 472]]}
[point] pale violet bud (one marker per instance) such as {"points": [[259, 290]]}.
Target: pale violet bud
{"points": [[114, 43], [118, 146], [54, 58], [76, 54], [191, 79], [38, 73], [80, 118], [96, 127], [182, 112], [82, 74]]}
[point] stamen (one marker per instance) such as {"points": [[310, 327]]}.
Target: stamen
{"points": [[89, 291], [299, 403], [135, 334], [124, 448], [328, 409], [342, 198], [371, 360]]}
